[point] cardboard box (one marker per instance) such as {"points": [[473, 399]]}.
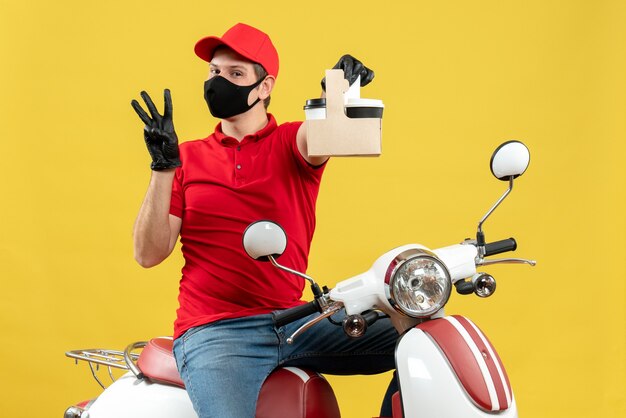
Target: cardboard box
{"points": [[339, 135]]}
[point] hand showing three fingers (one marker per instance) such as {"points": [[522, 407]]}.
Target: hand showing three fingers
{"points": [[159, 133]]}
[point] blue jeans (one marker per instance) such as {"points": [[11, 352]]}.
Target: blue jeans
{"points": [[224, 364]]}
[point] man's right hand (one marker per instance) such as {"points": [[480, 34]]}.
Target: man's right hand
{"points": [[159, 133], [352, 68]]}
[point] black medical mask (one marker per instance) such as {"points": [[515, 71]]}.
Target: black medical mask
{"points": [[226, 99]]}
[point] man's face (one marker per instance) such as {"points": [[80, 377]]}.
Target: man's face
{"points": [[232, 66]]}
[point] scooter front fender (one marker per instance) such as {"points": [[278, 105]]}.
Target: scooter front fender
{"points": [[448, 369], [129, 397]]}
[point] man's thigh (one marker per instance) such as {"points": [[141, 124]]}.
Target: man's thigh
{"points": [[326, 348], [224, 365]]}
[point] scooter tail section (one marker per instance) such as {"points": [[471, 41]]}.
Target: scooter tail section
{"points": [[129, 397]]}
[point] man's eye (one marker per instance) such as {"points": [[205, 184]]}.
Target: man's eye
{"points": [[215, 71], [237, 74]]}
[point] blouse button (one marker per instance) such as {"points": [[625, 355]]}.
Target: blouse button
{"points": [[238, 166]]}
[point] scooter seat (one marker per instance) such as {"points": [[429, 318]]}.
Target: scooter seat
{"points": [[157, 362], [304, 393]]}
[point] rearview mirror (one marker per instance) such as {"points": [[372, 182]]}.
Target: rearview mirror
{"points": [[264, 238], [510, 159], [508, 162]]}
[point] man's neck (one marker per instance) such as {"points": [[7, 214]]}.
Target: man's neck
{"points": [[247, 123]]}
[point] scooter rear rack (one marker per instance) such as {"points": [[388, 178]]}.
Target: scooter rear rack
{"points": [[97, 357]]}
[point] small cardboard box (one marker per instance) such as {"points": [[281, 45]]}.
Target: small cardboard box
{"points": [[339, 135]]}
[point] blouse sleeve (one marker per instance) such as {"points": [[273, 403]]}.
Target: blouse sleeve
{"points": [[177, 200]]}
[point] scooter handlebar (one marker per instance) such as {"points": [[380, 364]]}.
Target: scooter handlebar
{"points": [[499, 247], [290, 315]]}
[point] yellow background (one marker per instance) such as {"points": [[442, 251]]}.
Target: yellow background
{"points": [[457, 78]]}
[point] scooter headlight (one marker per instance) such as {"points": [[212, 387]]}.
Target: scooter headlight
{"points": [[418, 283]]}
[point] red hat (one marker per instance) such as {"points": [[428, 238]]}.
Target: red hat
{"points": [[245, 40]]}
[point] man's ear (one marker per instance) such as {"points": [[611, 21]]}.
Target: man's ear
{"points": [[266, 87]]}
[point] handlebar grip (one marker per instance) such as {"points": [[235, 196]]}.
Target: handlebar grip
{"points": [[293, 314], [502, 246]]}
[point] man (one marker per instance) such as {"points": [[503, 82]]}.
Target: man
{"points": [[208, 191]]}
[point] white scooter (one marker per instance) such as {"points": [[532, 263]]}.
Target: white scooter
{"points": [[445, 365]]}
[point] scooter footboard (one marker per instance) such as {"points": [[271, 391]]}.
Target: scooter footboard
{"points": [[448, 368]]}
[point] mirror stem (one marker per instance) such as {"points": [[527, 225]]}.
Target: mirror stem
{"points": [[480, 236], [314, 287]]}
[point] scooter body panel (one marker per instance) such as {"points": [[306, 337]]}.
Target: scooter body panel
{"points": [[429, 385], [129, 397]]}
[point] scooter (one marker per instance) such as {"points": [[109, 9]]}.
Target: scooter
{"points": [[446, 367]]}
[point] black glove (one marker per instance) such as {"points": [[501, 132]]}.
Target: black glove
{"points": [[352, 68], [159, 133]]}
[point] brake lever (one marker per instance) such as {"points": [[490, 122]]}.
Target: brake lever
{"points": [[330, 310], [485, 262]]}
